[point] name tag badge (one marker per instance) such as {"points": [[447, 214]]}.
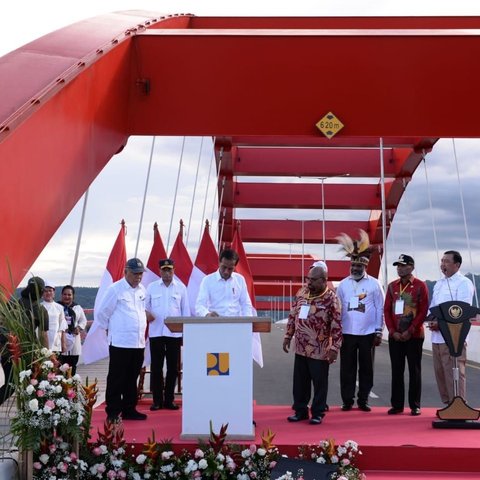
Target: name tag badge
{"points": [[304, 309], [399, 306], [353, 304]]}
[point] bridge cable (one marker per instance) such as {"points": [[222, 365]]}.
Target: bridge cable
{"points": [[206, 193], [410, 231], [194, 193], [145, 195], [384, 218], [79, 238], [465, 220], [219, 168], [431, 207], [176, 192]]}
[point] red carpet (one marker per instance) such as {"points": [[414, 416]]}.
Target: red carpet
{"points": [[388, 442]]}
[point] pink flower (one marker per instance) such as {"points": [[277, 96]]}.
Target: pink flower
{"points": [[33, 381], [122, 474], [73, 456], [199, 453], [253, 448], [50, 404], [197, 474], [52, 448], [97, 451], [101, 468], [37, 465], [40, 393], [71, 394], [272, 465], [253, 474], [111, 474], [63, 467], [51, 376]]}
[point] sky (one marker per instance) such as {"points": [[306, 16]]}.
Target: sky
{"points": [[429, 219]]}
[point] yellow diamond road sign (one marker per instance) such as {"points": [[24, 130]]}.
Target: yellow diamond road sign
{"points": [[329, 125]]}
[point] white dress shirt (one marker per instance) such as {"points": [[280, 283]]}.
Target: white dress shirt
{"points": [[229, 298], [122, 314], [166, 301], [362, 305], [457, 287], [56, 325]]}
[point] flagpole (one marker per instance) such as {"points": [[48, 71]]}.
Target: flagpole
{"points": [[79, 239]]}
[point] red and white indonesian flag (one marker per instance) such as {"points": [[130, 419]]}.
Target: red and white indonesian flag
{"points": [[96, 344], [157, 253], [179, 254], [244, 269], [205, 263]]}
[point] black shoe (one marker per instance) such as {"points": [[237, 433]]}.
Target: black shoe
{"points": [[316, 420], [171, 406], [364, 407], [297, 417], [346, 407], [415, 412], [155, 407], [395, 411], [134, 415]]}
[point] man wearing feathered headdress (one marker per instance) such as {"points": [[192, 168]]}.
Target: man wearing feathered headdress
{"points": [[362, 301]]}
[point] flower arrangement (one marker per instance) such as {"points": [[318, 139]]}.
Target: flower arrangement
{"points": [[50, 400], [342, 455]]}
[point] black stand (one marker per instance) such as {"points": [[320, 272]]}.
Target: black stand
{"points": [[454, 323]]}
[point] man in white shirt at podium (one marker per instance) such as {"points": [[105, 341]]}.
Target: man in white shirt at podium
{"points": [[224, 293]]}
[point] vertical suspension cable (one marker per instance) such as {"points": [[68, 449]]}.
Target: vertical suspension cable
{"points": [[79, 238], [206, 194], [465, 220], [220, 239], [220, 158], [384, 218], [220, 236], [303, 251], [176, 191], [410, 233], [193, 196], [145, 196], [431, 207]]}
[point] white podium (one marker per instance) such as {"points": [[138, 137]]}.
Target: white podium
{"points": [[217, 374]]}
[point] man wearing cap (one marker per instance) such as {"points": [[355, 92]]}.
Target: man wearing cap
{"points": [[57, 324], [224, 292], [406, 305], [166, 297], [122, 314], [452, 286], [362, 301]]}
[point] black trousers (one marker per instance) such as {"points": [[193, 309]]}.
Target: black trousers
{"points": [[123, 370], [72, 360], [411, 351], [162, 348], [357, 352], [308, 372]]}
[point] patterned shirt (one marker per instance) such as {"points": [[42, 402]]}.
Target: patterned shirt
{"points": [[413, 301], [321, 329]]}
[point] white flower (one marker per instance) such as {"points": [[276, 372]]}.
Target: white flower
{"points": [[166, 468], [77, 377], [46, 352], [167, 455], [246, 453], [44, 385], [136, 476], [242, 476], [334, 459], [321, 460], [103, 449], [199, 453], [202, 464], [58, 389], [33, 405], [141, 459], [44, 458], [220, 457], [262, 452], [30, 389], [47, 365], [24, 374], [191, 466]]}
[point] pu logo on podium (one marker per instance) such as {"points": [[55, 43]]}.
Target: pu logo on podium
{"points": [[218, 364]]}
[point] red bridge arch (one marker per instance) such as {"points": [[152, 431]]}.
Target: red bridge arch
{"points": [[72, 98]]}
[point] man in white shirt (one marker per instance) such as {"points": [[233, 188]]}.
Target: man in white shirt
{"points": [[453, 286], [122, 313], [57, 325], [166, 297], [362, 301], [224, 293]]}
